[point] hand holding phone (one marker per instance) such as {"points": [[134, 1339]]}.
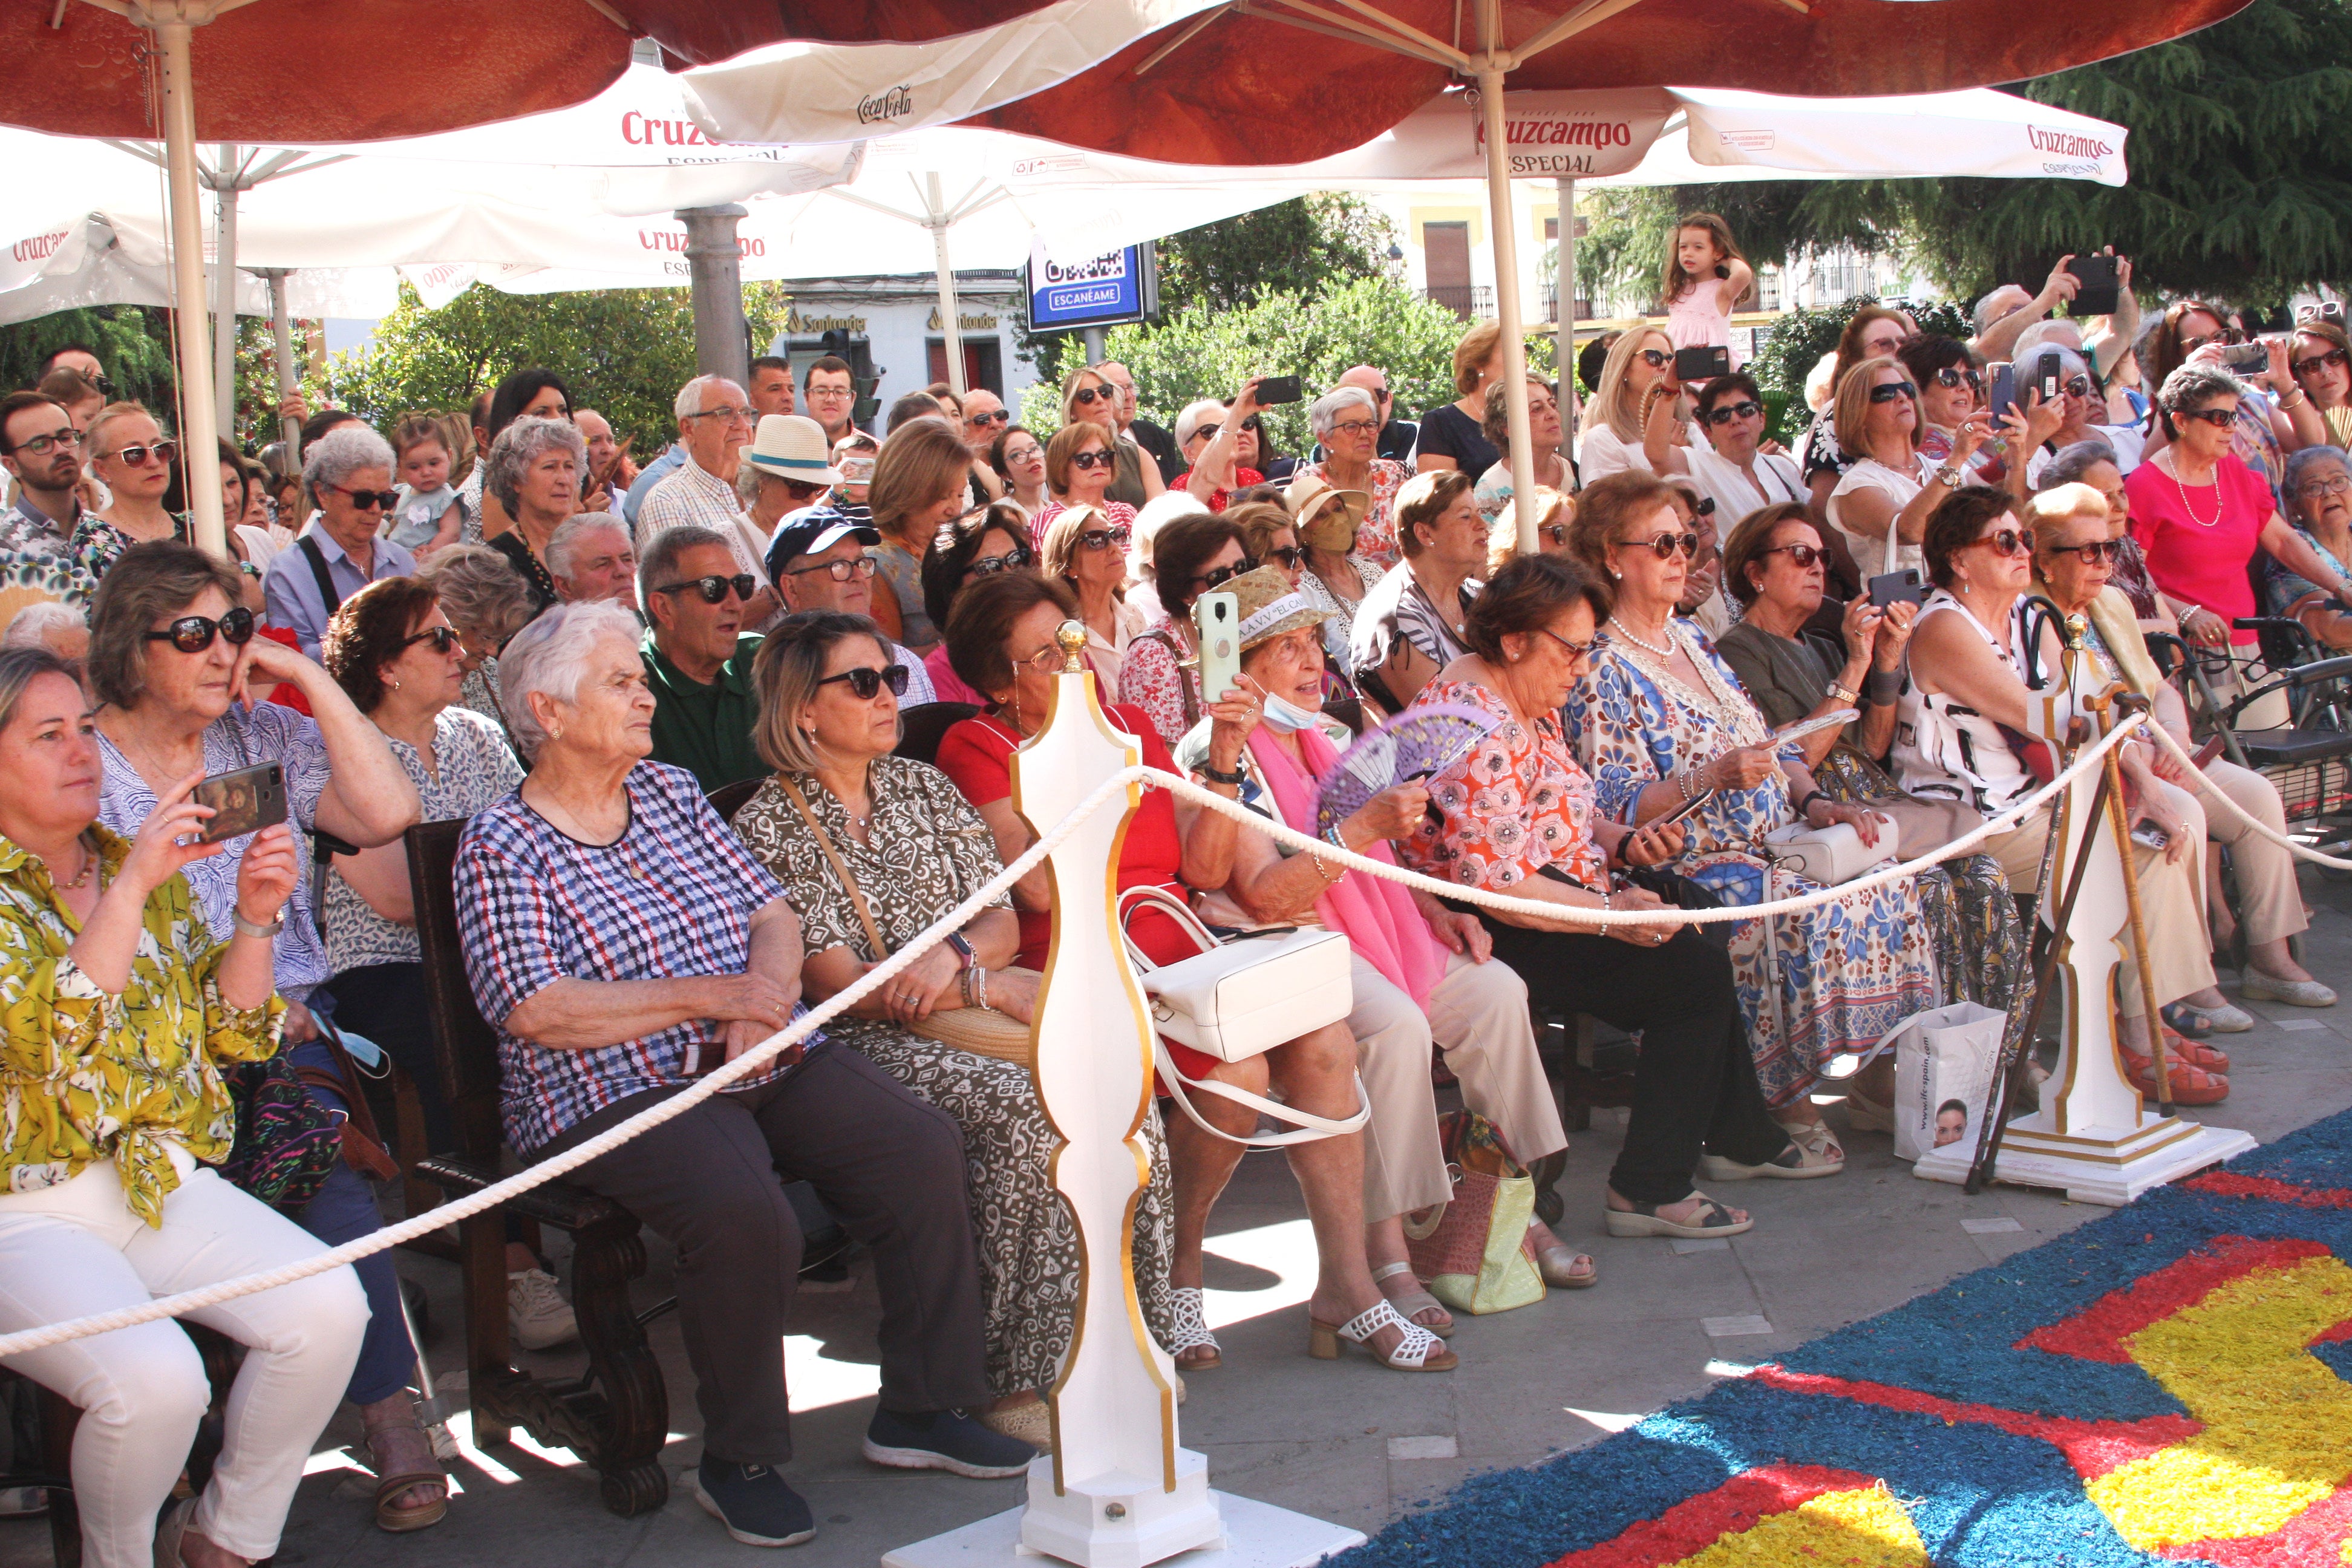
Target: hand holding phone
{"points": [[1278, 389], [1701, 364], [243, 801], [1216, 620], [2100, 288], [1898, 588]]}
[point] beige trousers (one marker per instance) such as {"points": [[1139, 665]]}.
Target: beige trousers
{"points": [[1478, 1013], [2270, 905]]}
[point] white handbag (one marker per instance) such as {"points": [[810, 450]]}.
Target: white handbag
{"points": [[1235, 1000], [1834, 854]]}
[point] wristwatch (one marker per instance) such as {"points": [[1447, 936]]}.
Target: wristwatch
{"points": [[1236, 778], [246, 928], [965, 957], [1949, 477], [1843, 693]]}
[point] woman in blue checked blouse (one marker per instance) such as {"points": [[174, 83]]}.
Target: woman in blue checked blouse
{"points": [[622, 941]]}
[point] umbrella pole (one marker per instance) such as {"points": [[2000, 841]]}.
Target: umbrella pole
{"points": [[950, 330], [199, 430], [1506, 285], [225, 198], [715, 261], [281, 327], [1564, 279]]}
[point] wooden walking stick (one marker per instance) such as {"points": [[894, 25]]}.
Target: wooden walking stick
{"points": [[2150, 1018]]}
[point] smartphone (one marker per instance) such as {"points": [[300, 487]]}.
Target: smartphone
{"points": [[1217, 618], [1898, 588], [2004, 392], [2048, 371], [1276, 389], [2102, 288], [2149, 836], [2246, 358], [1704, 362], [1692, 804], [243, 801]]}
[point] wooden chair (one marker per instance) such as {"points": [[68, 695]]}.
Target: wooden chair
{"points": [[920, 730], [1586, 1071], [617, 1415], [728, 798]]}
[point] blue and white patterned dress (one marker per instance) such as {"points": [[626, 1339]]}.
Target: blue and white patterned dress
{"points": [[1848, 970]]}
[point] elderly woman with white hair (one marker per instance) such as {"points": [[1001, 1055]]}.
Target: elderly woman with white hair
{"points": [[60, 628], [1347, 423], [533, 471], [347, 477], [1221, 443]]}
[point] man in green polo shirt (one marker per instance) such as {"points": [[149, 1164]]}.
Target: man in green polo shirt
{"points": [[698, 667]]}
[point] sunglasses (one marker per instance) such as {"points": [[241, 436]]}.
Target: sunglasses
{"points": [[1703, 507], [1888, 391], [1224, 574], [1725, 412], [714, 589], [366, 500], [1093, 460], [2311, 366], [2326, 310], [2220, 418], [2078, 386], [42, 445], [1804, 555], [1664, 545], [1954, 375], [443, 638], [2099, 552], [839, 571], [136, 457], [1556, 533], [2008, 542], [801, 489], [193, 634], [865, 683], [2226, 335], [1103, 537], [1288, 555], [1576, 650], [1013, 559], [1001, 416], [1086, 396], [1655, 358]]}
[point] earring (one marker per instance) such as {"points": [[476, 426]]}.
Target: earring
{"points": [[395, 683]]}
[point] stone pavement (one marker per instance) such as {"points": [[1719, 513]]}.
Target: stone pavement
{"points": [[1348, 1441]]}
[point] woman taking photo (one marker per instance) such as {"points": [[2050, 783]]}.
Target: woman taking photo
{"points": [[1450, 437], [1662, 721], [920, 479], [533, 472], [1951, 395], [1335, 579], [1221, 442], [122, 1007], [1089, 397], [1637, 392], [1019, 459], [1517, 816], [1087, 551], [967, 551], [1347, 422], [1493, 492], [1882, 500], [1079, 464], [1161, 676]]}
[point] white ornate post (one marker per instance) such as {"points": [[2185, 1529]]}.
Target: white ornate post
{"points": [[1118, 1491]]}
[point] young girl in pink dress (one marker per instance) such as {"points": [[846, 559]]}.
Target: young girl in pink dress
{"points": [[1705, 277]]}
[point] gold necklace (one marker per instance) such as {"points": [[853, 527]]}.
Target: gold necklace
{"points": [[89, 864]]}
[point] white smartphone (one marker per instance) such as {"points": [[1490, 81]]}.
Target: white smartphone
{"points": [[1216, 617]]}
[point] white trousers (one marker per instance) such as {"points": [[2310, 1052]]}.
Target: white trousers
{"points": [[74, 1249], [1478, 1013]]}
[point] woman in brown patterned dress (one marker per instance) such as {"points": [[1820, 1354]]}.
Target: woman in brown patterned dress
{"points": [[829, 718]]}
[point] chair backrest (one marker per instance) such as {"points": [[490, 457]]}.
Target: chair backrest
{"points": [[728, 798], [465, 1046], [921, 729]]}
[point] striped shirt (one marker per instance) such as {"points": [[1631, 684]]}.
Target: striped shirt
{"points": [[672, 897]]}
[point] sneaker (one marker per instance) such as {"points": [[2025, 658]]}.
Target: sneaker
{"points": [[944, 1440], [753, 1502], [538, 1316]]}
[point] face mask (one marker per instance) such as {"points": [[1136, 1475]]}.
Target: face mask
{"points": [[1285, 718]]}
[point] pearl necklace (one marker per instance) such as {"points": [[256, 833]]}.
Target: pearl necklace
{"points": [[2173, 469], [1665, 652], [89, 864]]}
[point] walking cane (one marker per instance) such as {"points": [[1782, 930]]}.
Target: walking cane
{"points": [[2153, 1020]]}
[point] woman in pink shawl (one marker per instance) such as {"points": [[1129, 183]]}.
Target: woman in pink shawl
{"points": [[1421, 972]]}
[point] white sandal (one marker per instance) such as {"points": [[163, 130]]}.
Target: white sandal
{"points": [[1416, 1302], [1187, 1327], [1814, 1137], [1419, 1350]]}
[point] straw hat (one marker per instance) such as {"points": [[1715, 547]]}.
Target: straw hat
{"points": [[1269, 606], [1321, 511], [792, 447]]}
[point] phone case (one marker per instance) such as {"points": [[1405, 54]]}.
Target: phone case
{"points": [[1217, 620]]}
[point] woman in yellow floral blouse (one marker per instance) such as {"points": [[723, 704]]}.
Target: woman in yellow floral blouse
{"points": [[116, 1002]]}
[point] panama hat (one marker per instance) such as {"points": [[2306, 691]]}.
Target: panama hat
{"points": [[792, 447]]}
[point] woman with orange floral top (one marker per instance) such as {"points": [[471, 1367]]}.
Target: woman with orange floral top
{"points": [[1517, 816]]}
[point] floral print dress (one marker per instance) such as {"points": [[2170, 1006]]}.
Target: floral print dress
{"points": [[1833, 978], [927, 850]]}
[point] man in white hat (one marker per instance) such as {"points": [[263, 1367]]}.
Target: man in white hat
{"points": [[794, 470], [819, 563]]}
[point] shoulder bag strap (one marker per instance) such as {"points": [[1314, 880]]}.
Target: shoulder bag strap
{"points": [[327, 595], [840, 867]]}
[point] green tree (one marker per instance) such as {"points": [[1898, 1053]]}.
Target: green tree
{"points": [[625, 352], [133, 342]]}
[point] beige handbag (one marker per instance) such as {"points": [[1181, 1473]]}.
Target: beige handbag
{"points": [[983, 1031]]}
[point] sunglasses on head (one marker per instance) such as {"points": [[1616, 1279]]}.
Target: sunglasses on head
{"points": [[864, 682], [136, 457], [839, 571], [1103, 537], [1664, 545], [1001, 416], [443, 638], [366, 500], [1957, 376], [1013, 559], [715, 589], [2311, 366], [1224, 574], [193, 634], [2220, 418], [1888, 391], [1803, 555], [2099, 552], [2008, 542], [1725, 412], [1092, 460], [1086, 396]]}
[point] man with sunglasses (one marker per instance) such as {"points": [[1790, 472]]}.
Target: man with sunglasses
{"points": [[1151, 437], [1397, 436], [348, 477], [819, 563], [697, 655], [41, 450]]}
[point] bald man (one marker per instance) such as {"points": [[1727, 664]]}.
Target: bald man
{"points": [[1397, 436]]}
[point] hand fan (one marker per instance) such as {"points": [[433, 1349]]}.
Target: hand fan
{"points": [[1413, 747]]}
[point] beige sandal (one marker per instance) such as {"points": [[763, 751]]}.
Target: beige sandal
{"points": [[391, 1515], [1032, 1423]]}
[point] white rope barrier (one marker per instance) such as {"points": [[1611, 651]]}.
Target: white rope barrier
{"points": [[2208, 790], [751, 1060]]}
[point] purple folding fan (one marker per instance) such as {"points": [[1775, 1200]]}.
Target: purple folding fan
{"points": [[1411, 748]]}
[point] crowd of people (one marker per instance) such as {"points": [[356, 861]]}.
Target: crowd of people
{"points": [[502, 617]]}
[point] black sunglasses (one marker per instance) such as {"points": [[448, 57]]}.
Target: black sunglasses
{"points": [[1888, 391], [2220, 418], [443, 638], [1104, 538], [193, 634], [1086, 396], [1288, 554], [714, 589], [1224, 574], [1804, 555], [2226, 335], [864, 682], [1655, 358], [1664, 545], [1556, 533], [801, 489], [1001, 416], [1725, 412], [2078, 386], [1013, 559], [2097, 552], [1955, 375], [2311, 366], [1703, 507], [366, 500], [1091, 460]]}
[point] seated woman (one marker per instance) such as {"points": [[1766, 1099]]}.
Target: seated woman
{"points": [[1662, 719], [921, 478], [1880, 504], [1421, 971], [172, 664], [1494, 491], [1976, 664], [2319, 493], [1730, 468], [487, 601], [1517, 816], [1553, 510], [121, 1007], [2071, 554], [1775, 564], [396, 657], [1410, 624], [1087, 551], [1081, 461], [841, 807], [973, 548], [1332, 575], [1190, 556], [622, 942], [1002, 635], [1637, 400]]}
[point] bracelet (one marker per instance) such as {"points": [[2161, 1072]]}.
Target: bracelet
{"points": [[1236, 779], [1328, 879], [246, 928], [980, 986], [966, 960], [1683, 781], [1948, 477], [1882, 687], [2299, 397], [964, 980]]}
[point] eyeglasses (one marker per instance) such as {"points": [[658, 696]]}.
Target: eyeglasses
{"points": [[2078, 386], [193, 634], [2311, 489], [1013, 559], [1104, 538], [1224, 574], [1655, 358], [1664, 545], [714, 589], [42, 445], [2311, 366], [728, 416], [1703, 507], [1379, 395], [366, 500], [1576, 651], [1803, 555], [1001, 416], [864, 682], [1092, 460], [2190, 345], [839, 571], [1288, 555], [1556, 533], [136, 457], [1357, 427], [1086, 396], [443, 638], [2220, 418], [1888, 391], [1957, 376], [2008, 542], [2099, 552], [1725, 412]]}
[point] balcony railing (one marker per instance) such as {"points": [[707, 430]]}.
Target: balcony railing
{"points": [[1585, 311], [1468, 301]]}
